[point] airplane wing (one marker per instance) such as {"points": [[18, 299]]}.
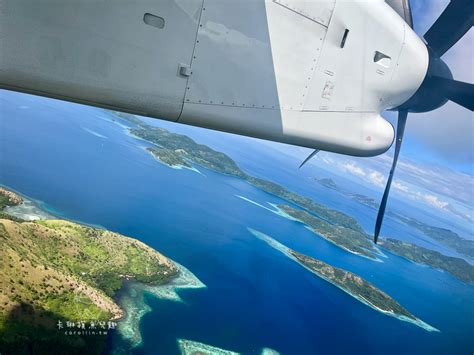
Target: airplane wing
{"points": [[311, 73]]}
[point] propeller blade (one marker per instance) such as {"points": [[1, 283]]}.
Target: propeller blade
{"points": [[402, 120], [309, 157], [450, 27], [457, 91]]}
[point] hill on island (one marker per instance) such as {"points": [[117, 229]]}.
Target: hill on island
{"points": [[178, 150], [55, 273]]}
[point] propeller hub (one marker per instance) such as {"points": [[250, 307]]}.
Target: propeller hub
{"points": [[429, 97], [438, 85]]}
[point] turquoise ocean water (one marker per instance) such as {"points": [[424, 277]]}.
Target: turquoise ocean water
{"points": [[79, 164]]}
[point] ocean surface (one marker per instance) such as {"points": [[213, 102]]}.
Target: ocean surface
{"points": [[77, 163]]}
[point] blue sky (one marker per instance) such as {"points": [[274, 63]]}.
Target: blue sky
{"points": [[444, 136], [436, 166]]}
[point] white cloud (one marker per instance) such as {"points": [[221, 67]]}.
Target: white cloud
{"points": [[327, 161], [399, 186], [448, 130], [353, 168], [432, 200], [369, 175], [376, 178], [432, 186], [439, 180]]}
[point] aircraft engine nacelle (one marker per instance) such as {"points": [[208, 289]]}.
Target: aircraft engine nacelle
{"points": [[310, 73]]}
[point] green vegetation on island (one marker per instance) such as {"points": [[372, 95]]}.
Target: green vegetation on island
{"points": [[7, 199], [444, 236], [362, 199], [320, 211], [345, 238], [170, 157], [458, 267], [335, 226], [352, 284], [359, 243], [181, 147], [178, 148], [54, 272], [359, 288], [126, 116]]}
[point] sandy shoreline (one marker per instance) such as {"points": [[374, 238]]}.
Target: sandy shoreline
{"points": [[285, 250], [176, 167], [131, 306], [132, 301], [278, 211], [190, 347], [28, 210]]}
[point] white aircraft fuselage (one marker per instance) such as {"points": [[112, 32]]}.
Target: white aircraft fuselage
{"points": [[310, 73]]}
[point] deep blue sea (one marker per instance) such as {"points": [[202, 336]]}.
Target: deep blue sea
{"points": [[80, 165]]}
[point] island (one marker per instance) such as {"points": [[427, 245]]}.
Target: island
{"points": [[362, 199], [457, 267], [180, 147], [348, 239], [350, 283], [177, 149], [336, 227], [189, 347], [7, 199], [172, 158], [327, 182], [442, 235], [58, 276]]}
